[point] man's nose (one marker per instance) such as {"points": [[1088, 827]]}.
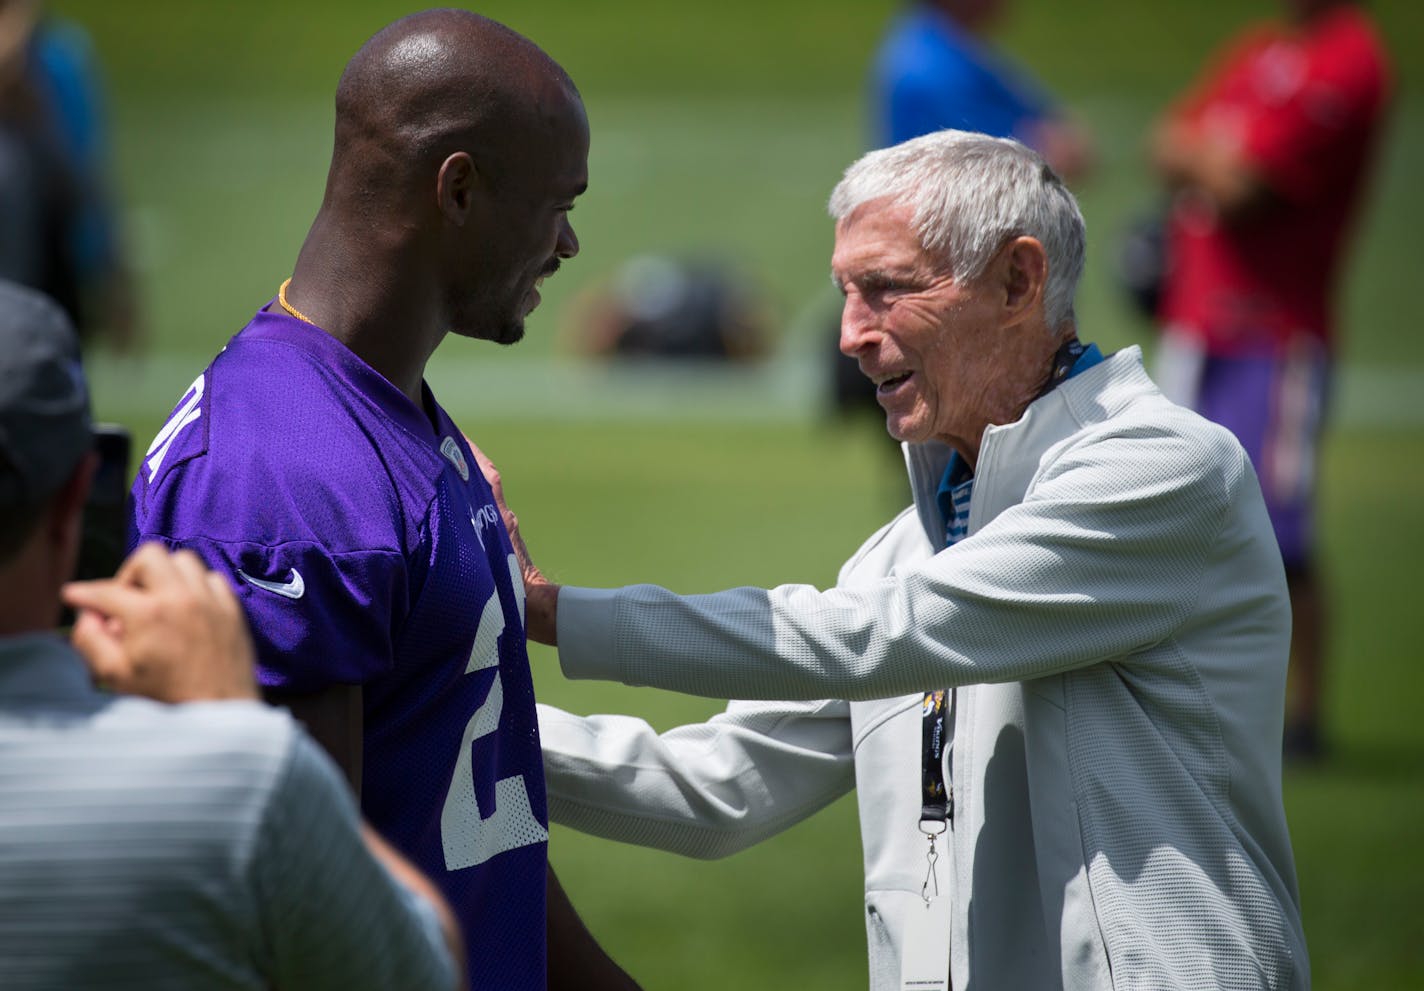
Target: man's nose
{"points": [[858, 327], [568, 245]]}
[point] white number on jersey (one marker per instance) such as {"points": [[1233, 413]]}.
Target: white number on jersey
{"points": [[187, 412], [468, 836]]}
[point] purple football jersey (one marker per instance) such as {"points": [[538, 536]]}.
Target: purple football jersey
{"points": [[366, 548]]}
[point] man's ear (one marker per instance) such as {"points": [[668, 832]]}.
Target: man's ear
{"points": [[1023, 274], [455, 187]]}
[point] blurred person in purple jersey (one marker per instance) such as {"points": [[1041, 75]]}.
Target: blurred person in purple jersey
{"points": [[197, 846], [311, 465]]}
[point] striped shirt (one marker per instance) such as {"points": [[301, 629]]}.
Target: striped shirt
{"points": [[954, 494], [200, 846]]}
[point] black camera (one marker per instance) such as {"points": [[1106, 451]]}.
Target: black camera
{"points": [[104, 529]]}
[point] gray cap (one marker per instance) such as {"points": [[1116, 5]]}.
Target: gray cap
{"points": [[44, 403]]}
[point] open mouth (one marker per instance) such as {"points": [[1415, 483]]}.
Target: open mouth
{"points": [[535, 298], [892, 383]]}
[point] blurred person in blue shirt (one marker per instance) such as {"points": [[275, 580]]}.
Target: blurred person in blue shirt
{"points": [[935, 70]]}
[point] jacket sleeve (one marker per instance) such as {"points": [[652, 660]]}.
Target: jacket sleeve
{"points": [[705, 790], [1103, 557]]}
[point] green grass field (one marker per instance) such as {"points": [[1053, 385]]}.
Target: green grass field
{"points": [[721, 129]]}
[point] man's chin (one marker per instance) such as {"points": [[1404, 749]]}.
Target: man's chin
{"points": [[506, 334], [510, 334], [902, 431]]}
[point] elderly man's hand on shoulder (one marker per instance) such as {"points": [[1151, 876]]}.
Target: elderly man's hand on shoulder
{"points": [[541, 596]]}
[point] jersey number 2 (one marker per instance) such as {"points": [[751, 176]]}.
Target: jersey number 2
{"points": [[471, 837]]}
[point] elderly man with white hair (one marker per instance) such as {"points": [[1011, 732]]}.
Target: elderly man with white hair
{"points": [[1084, 603]]}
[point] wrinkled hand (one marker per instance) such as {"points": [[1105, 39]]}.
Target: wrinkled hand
{"points": [[164, 627], [541, 596]]}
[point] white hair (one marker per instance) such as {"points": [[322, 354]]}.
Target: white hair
{"points": [[970, 194]]}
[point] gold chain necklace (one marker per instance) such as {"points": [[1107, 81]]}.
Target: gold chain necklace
{"points": [[282, 299]]}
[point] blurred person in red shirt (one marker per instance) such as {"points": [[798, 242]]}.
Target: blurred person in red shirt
{"points": [[1267, 156]]}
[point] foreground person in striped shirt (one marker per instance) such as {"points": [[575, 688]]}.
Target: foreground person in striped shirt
{"points": [[198, 846]]}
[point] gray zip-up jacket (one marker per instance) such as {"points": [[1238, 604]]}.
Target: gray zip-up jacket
{"points": [[1117, 626]]}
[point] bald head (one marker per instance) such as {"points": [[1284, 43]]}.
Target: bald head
{"points": [[438, 82], [460, 149]]}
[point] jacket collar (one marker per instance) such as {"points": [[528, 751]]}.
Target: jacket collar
{"points": [[1010, 453]]}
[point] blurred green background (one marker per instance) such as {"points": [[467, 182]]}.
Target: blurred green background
{"points": [[719, 130]]}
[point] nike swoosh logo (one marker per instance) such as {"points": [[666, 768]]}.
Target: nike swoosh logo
{"points": [[295, 588]]}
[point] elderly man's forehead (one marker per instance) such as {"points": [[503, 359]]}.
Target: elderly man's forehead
{"points": [[885, 219], [882, 211]]}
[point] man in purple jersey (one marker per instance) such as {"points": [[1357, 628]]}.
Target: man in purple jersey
{"points": [[311, 465]]}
